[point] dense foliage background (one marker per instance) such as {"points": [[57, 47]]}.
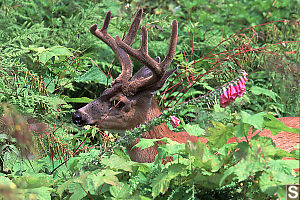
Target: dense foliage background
{"points": [[51, 65]]}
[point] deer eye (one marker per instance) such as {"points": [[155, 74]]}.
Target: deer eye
{"points": [[117, 104]]}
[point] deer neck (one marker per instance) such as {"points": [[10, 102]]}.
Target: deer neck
{"points": [[160, 131]]}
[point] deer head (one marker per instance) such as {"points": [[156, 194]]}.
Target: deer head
{"points": [[126, 104]]}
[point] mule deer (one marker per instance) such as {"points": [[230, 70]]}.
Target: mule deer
{"points": [[129, 102]]}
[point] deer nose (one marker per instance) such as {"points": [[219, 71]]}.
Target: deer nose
{"points": [[78, 118]]}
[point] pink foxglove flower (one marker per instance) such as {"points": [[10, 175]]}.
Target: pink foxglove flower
{"points": [[233, 93], [243, 80], [225, 94], [175, 121], [224, 98], [242, 88], [237, 88]]}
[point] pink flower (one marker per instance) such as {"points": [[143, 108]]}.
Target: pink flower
{"points": [[243, 80], [233, 93], [225, 93], [175, 121], [242, 88], [224, 98]]}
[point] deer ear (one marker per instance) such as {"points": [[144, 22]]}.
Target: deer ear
{"points": [[154, 88], [144, 72]]}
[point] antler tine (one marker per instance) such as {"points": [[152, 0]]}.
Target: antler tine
{"points": [[141, 54], [134, 27], [172, 47], [102, 34], [122, 56]]}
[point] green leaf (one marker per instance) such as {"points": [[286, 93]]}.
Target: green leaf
{"points": [[244, 169], [176, 169], [121, 191], [60, 51], [173, 147], [160, 184], [194, 129], [277, 176], [145, 143], [276, 126], [78, 100], [45, 57], [204, 157], [256, 120], [116, 162], [219, 134], [212, 181], [94, 74], [77, 191], [258, 91], [241, 130], [56, 51], [34, 181]]}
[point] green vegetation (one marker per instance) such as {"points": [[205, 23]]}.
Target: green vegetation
{"points": [[50, 65]]}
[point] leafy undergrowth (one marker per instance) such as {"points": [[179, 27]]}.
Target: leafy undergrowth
{"points": [[251, 169], [50, 65]]}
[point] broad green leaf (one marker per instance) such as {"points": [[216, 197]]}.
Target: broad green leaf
{"points": [[75, 186], [98, 177], [219, 134], [209, 181], [176, 169], [78, 100], [173, 147], [143, 167], [50, 83], [270, 186], [94, 74], [121, 191], [241, 130], [46, 56], [266, 147], [110, 177], [145, 143], [34, 181], [258, 91], [194, 129], [244, 169], [283, 170], [256, 120], [204, 157], [39, 49], [160, 184], [276, 126], [277, 176], [259, 158], [116, 162], [77, 190], [60, 51]]}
